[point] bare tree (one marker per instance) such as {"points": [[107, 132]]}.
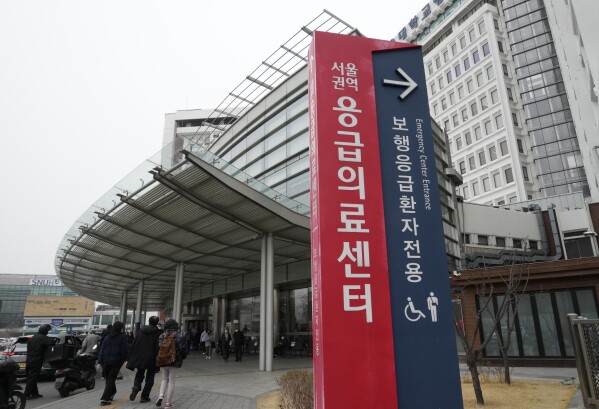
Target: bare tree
{"points": [[505, 287]]}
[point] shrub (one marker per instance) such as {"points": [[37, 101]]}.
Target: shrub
{"points": [[297, 390]]}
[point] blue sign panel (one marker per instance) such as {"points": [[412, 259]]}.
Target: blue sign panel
{"points": [[424, 339]]}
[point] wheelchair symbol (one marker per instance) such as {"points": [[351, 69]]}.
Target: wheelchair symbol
{"points": [[411, 313]]}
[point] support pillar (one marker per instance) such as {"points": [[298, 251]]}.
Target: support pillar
{"points": [[123, 311], [269, 301], [138, 312], [262, 354], [178, 299]]}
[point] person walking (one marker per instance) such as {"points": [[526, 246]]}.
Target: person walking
{"points": [[112, 356], [225, 340], [36, 349], [203, 338], [208, 344], [143, 358], [238, 338], [91, 340], [171, 336]]}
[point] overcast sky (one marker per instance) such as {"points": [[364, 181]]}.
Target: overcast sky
{"points": [[84, 86]]}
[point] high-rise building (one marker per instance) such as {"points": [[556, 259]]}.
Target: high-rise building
{"points": [[519, 105]]}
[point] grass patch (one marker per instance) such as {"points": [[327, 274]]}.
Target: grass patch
{"points": [[520, 394]]}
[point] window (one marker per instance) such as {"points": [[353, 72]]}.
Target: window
{"points": [[471, 34], [515, 119], [525, 174], [433, 88], [481, 27], [492, 153], [517, 243], [454, 49], [479, 79], [520, 145], [470, 86], [500, 202], [494, 96], [500, 241], [465, 192], [437, 62], [510, 96], [490, 72], [440, 82], [446, 125], [481, 158], [477, 133], [430, 68], [499, 121], [509, 176], [460, 92], [443, 104], [462, 167], [464, 114], [445, 56], [449, 79], [435, 108], [496, 24], [458, 70], [488, 128], [533, 245], [485, 49], [483, 103], [471, 163], [503, 148], [466, 63], [468, 138], [452, 98], [474, 108], [455, 119], [458, 143], [475, 56], [486, 184], [505, 71], [475, 189], [483, 240], [500, 46], [497, 179]]}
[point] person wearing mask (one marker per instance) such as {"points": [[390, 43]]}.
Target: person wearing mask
{"points": [[208, 344], [143, 358], [239, 339], [36, 349], [169, 371], [112, 356], [225, 343]]}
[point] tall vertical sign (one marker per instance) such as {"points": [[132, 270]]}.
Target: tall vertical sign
{"points": [[382, 327]]}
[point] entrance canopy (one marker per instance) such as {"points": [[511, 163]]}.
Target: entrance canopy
{"points": [[211, 219]]}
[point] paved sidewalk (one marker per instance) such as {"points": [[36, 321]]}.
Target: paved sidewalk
{"points": [[214, 384]]}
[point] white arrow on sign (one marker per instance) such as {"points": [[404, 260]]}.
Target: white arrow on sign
{"points": [[410, 83]]}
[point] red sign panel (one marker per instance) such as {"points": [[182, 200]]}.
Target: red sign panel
{"points": [[352, 323]]}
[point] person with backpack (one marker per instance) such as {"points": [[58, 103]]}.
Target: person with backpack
{"points": [[112, 356], [143, 358], [171, 353]]}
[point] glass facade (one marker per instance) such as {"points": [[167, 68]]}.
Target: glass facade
{"points": [[541, 328], [547, 112]]}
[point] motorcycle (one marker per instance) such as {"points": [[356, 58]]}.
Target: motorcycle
{"points": [[79, 373], [8, 378]]}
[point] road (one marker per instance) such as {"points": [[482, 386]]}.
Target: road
{"points": [[50, 394]]}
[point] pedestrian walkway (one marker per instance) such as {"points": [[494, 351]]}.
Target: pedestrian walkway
{"points": [[214, 384], [201, 384]]}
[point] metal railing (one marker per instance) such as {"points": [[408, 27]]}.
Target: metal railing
{"points": [[585, 339]]}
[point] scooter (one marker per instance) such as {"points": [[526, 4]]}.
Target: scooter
{"points": [[16, 398], [80, 374]]}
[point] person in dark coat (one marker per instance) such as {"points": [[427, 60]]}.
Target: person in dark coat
{"points": [[239, 339], [225, 340], [112, 356], [143, 358], [36, 349], [169, 373]]}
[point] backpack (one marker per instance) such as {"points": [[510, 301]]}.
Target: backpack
{"points": [[167, 353]]}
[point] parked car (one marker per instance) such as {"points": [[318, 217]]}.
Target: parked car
{"points": [[65, 346]]}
